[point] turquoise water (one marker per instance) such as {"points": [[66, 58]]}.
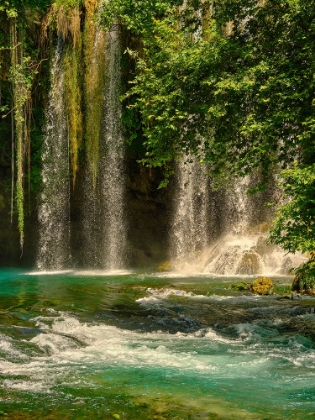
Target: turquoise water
{"points": [[93, 345]]}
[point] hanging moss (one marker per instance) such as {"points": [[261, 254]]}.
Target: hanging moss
{"points": [[21, 79], [67, 17], [95, 66], [73, 101]]}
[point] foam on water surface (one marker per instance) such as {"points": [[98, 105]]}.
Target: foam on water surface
{"points": [[80, 353], [104, 273], [47, 272]]}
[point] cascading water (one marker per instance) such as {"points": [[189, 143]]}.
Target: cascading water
{"points": [[235, 252], [92, 207], [54, 218], [105, 231], [189, 227], [243, 248], [241, 245], [112, 171]]}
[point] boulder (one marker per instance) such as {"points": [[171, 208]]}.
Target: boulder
{"points": [[166, 266], [250, 263], [262, 286]]}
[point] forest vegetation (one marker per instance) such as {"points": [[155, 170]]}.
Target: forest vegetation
{"points": [[231, 82]]}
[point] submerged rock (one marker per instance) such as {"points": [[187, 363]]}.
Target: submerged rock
{"points": [[262, 286]]}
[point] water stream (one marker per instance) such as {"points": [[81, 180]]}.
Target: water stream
{"points": [[189, 231], [148, 346], [54, 209], [111, 163], [103, 236], [224, 232]]}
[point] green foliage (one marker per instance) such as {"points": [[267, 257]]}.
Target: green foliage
{"points": [[15, 8], [304, 280], [94, 83], [136, 15], [73, 99], [247, 92], [294, 227], [19, 65], [232, 84]]}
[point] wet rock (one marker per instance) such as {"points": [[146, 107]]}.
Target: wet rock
{"points": [[263, 247], [287, 266], [240, 286], [250, 263], [262, 286], [166, 266]]}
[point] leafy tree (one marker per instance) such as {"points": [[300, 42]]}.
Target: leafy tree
{"points": [[294, 227], [242, 96], [232, 82]]}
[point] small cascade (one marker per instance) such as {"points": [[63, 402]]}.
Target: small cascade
{"points": [[238, 207], [104, 213], [241, 248], [189, 227], [235, 251], [54, 209]]}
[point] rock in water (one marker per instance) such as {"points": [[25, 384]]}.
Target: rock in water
{"points": [[262, 286]]}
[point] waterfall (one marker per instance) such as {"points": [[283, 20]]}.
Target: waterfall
{"points": [[189, 231], [225, 236], [53, 215], [104, 213], [112, 169]]}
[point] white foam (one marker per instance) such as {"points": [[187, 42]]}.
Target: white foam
{"points": [[67, 346], [47, 272], [7, 347], [105, 273], [156, 296]]}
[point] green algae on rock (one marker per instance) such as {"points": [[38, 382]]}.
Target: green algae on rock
{"points": [[262, 286]]}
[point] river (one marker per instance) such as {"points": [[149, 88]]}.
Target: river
{"points": [[123, 345]]}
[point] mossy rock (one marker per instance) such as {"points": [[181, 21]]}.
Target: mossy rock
{"points": [[250, 263], [262, 286], [240, 286], [166, 266]]}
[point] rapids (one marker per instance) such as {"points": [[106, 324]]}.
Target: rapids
{"points": [[86, 345]]}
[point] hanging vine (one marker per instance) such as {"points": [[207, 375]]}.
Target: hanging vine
{"points": [[21, 76]]}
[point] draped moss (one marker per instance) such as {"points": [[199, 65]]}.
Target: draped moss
{"points": [[84, 44], [68, 22], [22, 72], [94, 82]]}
